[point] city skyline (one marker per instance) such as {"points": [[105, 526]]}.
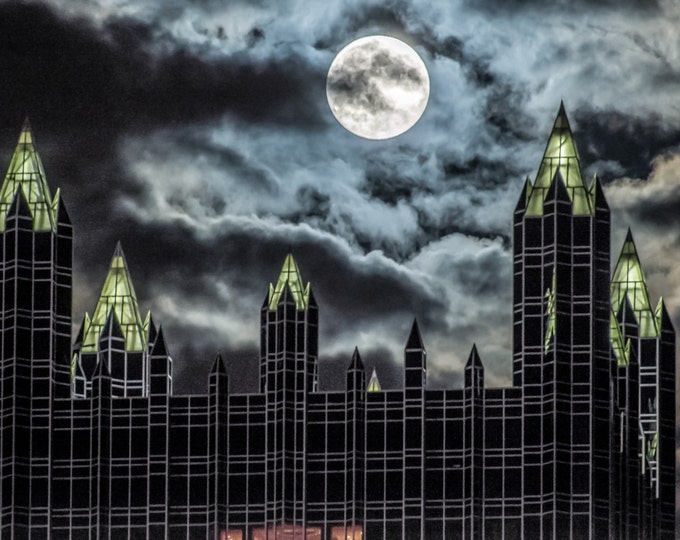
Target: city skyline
{"points": [[95, 444]]}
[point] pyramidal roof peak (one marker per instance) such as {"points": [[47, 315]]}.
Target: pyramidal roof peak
{"points": [[415, 339], [561, 155], [26, 175], [374, 383], [118, 294], [118, 252], [290, 278], [629, 237], [628, 281], [561, 120]]}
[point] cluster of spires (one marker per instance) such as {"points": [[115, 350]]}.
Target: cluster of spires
{"points": [[117, 311], [26, 175]]}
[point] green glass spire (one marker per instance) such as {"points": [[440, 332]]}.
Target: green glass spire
{"points": [[118, 295], [290, 277], [26, 173], [628, 281], [374, 383], [560, 154], [550, 327], [621, 350]]}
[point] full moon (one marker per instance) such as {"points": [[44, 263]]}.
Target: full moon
{"points": [[377, 87]]}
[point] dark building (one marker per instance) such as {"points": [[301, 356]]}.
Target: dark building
{"points": [[94, 445]]}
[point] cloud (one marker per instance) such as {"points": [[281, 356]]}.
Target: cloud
{"points": [[565, 6]]}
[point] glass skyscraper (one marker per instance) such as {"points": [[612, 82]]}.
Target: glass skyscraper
{"points": [[582, 445]]}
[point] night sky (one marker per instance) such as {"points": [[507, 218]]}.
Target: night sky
{"points": [[198, 134]]}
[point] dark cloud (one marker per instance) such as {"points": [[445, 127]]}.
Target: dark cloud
{"points": [[106, 80], [504, 6], [86, 88], [398, 20], [311, 204], [386, 184], [254, 36], [363, 20], [661, 214], [632, 141]]}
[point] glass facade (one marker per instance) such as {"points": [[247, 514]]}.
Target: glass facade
{"points": [[95, 445]]}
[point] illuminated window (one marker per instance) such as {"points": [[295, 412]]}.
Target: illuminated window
{"points": [[231, 534], [350, 532], [287, 531]]}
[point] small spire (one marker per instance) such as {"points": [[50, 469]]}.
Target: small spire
{"points": [[26, 127], [374, 383], [629, 238], [356, 364], [524, 195], [159, 346], [111, 328], [561, 120], [218, 365], [474, 360], [102, 369], [415, 340]]}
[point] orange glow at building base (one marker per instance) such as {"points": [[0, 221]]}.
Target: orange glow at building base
{"points": [[287, 532], [231, 534], [350, 532]]}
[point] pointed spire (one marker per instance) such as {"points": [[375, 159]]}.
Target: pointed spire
{"points": [[474, 371], [560, 154], [111, 328], [150, 328], [356, 364], [415, 340], [102, 370], [291, 280], [26, 127], [159, 347], [621, 349], [118, 295], [663, 320], [524, 196], [597, 198], [374, 383], [218, 366], [557, 191], [628, 281], [160, 368], [27, 176], [474, 360]]}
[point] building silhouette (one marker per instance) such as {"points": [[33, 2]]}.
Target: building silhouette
{"points": [[95, 445]]}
